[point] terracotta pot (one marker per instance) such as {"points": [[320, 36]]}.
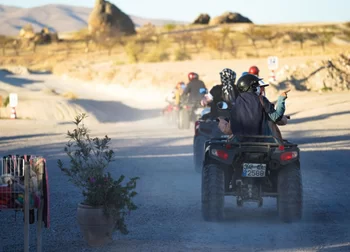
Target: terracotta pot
{"points": [[96, 228]]}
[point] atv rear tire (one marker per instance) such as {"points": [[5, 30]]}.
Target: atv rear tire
{"points": [[213, 195], [290, 194], [198, 153]]}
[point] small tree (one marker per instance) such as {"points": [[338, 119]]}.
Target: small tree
{"points": [[300, 37], [253, 35], [135, 49], [183, 39], [232, 46], [271, 36], [89, 159], [16, 45], [3, 43], [197, 42], [324, 38]]}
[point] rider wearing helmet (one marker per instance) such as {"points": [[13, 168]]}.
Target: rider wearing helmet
{"points": [[246, 113], [192, 88], [254, 70]]}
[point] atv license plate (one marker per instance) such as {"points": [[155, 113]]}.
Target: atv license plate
{"points": [[254, 170]]}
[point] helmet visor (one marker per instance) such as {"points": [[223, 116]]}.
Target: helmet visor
{"points": [[262, 83]]}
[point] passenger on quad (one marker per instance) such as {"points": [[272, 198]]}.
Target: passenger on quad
{"points": [[180, 86], [255, 71], [216, 95], [246, 113]]}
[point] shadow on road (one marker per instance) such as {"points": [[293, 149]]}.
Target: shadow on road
{"points": [[5, 77], [114, 111], [316, 118]]}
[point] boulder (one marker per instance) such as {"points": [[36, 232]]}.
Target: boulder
{"points": [[108, 19], [202, 19], [27, 32], [228, 18]]}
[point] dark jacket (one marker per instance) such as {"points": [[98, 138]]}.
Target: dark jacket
{"points": [[250, 117], [216, 92], [192, 90]]}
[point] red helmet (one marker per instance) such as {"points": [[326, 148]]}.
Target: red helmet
{"points": [[254, 70], [192, 76]]}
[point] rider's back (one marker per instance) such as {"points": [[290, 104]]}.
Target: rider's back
{"points": [[193, 90], [247, 116]]}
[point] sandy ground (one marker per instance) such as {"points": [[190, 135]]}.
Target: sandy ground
{"points": [[169, 217]]}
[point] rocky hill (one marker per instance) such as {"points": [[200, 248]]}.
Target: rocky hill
{"points": [[59, 18]]}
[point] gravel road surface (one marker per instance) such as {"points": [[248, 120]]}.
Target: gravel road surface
{"points": [[169, 215]]}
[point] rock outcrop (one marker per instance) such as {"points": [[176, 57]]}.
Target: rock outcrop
{"points": [[28, 34], [326, 75], [229, 17], [107, 19], [202, 19]]}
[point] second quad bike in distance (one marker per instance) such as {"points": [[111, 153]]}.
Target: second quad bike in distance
{"points": [[189, 112], [251, 168]]}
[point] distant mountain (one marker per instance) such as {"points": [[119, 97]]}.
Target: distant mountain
{"points": [[57, 17]]}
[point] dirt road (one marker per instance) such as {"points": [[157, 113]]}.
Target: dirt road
{"points": [[169, 216]]}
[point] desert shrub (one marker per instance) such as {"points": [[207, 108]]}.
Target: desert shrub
{"points": [[134, 49], [181, 55], [7, 101], [169, 27], [158, 53], [70, 95]]}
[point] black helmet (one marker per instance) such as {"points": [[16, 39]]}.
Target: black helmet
{"points": [[248, 83]]}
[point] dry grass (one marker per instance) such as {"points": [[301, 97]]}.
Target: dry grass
{"points": [[70, 96], [187, 42]]}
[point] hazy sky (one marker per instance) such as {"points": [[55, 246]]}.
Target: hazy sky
{"points": [[259, 11]]}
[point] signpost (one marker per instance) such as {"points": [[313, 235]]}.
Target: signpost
{"points": [[272, 63], [13, 104]]}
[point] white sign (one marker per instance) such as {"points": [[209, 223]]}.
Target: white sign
{"points": [[272, 62], [13, 100]]}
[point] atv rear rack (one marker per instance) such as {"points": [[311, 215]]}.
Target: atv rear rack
{"points": [[275, 143]]}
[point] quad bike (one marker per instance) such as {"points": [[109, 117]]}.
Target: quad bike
{"points": [[204, 129], [170, 113], [250, 168], [188, 113]]}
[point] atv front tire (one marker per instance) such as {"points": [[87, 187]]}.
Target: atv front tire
{"points": [[198, 153], [290, 194], [213, 195]]}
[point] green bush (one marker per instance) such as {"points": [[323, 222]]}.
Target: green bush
{"points": [[169, 27], [7, 101]]}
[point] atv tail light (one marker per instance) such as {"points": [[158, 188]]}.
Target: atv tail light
{"points": [[196, 126], [281, 147], [220, 154], [288, 155]]}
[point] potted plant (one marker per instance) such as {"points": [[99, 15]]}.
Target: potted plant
{"points": [[106, 201]]}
